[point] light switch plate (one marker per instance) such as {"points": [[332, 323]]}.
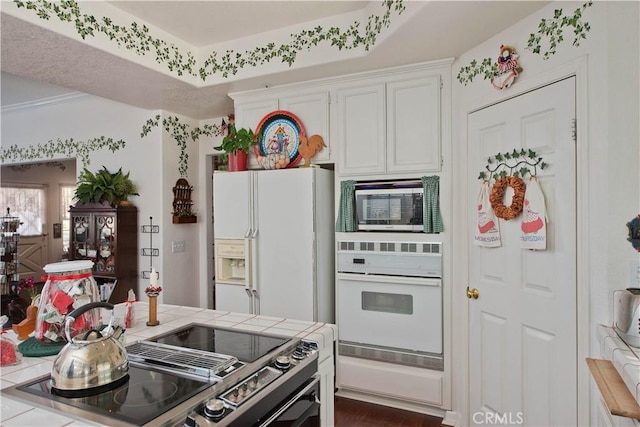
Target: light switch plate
{"points": [[177, 246]]}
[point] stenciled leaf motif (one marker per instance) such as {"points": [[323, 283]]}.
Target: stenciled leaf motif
{"points": [[552, 30], [138, 39], [181, 134], [67, 147]]}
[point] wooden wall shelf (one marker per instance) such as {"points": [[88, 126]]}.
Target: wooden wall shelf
{"points": [[189, 219]]}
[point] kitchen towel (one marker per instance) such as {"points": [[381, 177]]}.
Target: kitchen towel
{"points": [[534, 218], [431, 217], [488, 229], [346, 219]]}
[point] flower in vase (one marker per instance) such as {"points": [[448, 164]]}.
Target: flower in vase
{"points": [[27, 284]]}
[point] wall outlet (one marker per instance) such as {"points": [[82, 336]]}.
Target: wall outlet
{"points": [[177, 246]]}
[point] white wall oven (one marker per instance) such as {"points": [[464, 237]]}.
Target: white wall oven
{"points": [[390, 302]]}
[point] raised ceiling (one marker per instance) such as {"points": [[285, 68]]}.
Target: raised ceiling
{"points": [[38, 50]]}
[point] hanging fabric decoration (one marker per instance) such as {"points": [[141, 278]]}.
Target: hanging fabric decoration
{"points": [[534, 219], [346, 215], [488, 229], [508, 68], [431, 217]]}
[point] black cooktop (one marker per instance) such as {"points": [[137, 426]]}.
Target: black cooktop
{"points": [[147, 394], [245, 346]]}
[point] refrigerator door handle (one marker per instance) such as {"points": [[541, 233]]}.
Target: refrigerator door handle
{"points": [[251, 302], [256, 302], [248, 256]]}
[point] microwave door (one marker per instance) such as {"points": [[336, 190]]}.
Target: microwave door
{"points": [[390, 210]]}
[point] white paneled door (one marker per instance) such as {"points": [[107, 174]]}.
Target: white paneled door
{"points": [[522, 343]]}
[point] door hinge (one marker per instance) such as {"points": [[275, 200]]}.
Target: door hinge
{"points": [[574, 130]]}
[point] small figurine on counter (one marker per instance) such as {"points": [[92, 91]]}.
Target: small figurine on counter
{"points": [[129, 318]]}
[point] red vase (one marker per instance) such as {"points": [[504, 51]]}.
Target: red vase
{"points": [[237, 161]]}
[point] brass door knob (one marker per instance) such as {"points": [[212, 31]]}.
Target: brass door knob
{"points": [[473, 293]]}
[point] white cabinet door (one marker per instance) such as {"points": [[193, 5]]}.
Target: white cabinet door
{"points": [[361, 137], [326, 371], [413, 125], [313, 112], [248, 116]]}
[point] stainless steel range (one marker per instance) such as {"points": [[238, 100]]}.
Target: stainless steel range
{"points": [[200, 375]]}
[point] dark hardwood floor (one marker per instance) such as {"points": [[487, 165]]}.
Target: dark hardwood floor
{"points": [[353, 413]]}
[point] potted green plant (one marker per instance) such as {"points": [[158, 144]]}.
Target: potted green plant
{"points": [[236, 146], [104, 186]]}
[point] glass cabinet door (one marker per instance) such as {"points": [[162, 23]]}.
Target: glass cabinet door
{"points": [[80, 236], [105, 244]]}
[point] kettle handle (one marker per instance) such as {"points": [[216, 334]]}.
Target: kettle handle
{"points": [[71, 317]]}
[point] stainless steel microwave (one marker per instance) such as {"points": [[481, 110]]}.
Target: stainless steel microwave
{"points": [[389, 206]]}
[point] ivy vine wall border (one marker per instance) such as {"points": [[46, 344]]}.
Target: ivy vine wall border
{"points": [[138, 39], [550, 32]]}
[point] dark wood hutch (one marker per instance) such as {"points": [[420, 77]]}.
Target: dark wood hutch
{"points": [[108, 236]]}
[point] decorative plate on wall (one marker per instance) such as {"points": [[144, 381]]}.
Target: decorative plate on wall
{"points": [[279, 138]]}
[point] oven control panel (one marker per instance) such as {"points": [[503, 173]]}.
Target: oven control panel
{"points": [[216, 411]]}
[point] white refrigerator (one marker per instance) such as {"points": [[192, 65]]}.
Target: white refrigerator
{"points": [[274, 236]]}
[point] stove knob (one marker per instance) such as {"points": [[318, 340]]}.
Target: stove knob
{"points": [[283, 362], [214, 408], [299, 355]]}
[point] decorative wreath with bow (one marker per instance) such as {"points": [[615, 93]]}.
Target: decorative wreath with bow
{"points": [[511, 179]]}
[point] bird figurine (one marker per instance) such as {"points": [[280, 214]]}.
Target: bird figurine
{"points": [[28, 325], [309, 147]]}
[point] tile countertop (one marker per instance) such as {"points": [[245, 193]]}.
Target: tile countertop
{"points": [[626, 359], [15, 413]]}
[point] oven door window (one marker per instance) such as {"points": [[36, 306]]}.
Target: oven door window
{"points": [[387, 303]]}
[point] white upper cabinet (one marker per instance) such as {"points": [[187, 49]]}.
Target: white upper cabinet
{"points": [[413, 125], [391, 127], [249, 114], [311, 108], [361, 127], [313, 112]]}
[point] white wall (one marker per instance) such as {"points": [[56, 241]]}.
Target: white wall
{"points": [[179, 272], [608, 153], [88, 117]]}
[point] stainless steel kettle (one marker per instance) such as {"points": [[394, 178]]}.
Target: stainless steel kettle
{"points": [[92, 364]]}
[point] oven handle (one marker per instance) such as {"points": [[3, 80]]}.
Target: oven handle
{"points": [[380, 278], [313, 397]]}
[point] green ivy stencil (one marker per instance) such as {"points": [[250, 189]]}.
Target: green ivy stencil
{"points": [[138, 39]]}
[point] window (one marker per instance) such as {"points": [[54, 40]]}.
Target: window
{"points": [[66, 200], [27, 202]]}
